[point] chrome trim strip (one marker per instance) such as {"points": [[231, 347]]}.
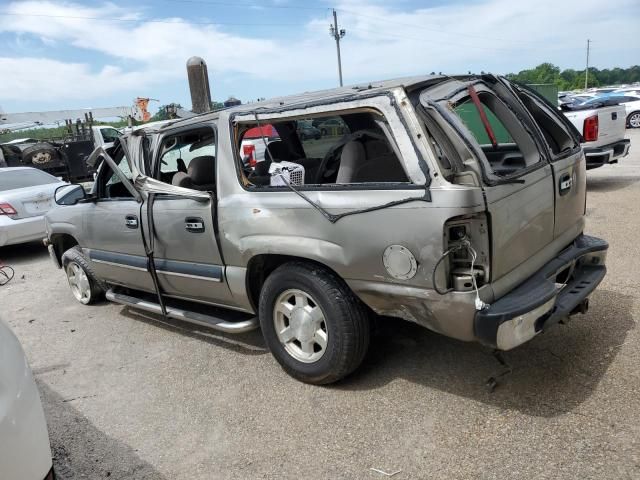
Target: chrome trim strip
{"points": [[186, 275], [114, 264]]}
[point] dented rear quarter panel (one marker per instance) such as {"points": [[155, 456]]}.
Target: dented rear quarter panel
{"points": [[280, 222]]}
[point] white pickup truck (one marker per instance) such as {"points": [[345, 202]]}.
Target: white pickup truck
{"points": [[601, 121]]}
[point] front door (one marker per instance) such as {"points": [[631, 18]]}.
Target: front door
{"points": [[112, 223]]}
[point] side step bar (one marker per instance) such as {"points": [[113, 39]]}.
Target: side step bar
{"points": [[184, 315]]}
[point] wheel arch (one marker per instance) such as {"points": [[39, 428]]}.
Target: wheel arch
{"points": [[62, 242], [260, 266]]}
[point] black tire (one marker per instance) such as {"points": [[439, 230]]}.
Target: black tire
{"points": [[74, 256], [632, 114], [345, 317], [40, 154]]}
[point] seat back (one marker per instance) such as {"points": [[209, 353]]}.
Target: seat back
{"points": [[353, 156], [200, 174]]}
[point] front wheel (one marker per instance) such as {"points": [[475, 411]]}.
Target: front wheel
{"points": [[82, 281], [315, 327], [633, 120]]}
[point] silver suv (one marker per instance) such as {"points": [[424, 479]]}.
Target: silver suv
{"points": [[455, 203]]}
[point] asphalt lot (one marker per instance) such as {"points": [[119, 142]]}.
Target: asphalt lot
{"points": [[128, 397]]}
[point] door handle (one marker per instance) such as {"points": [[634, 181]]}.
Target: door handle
{"points": [[131, 221], [194, 224], [566, 182]]}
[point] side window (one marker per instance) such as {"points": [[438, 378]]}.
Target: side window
{"points": [[556, 136], [512, 149], [339, 148], [109, 184], [109, 134], [188, 159]]}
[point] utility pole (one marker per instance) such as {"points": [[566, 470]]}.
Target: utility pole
{"points": [[586, 72], [337, 34]]}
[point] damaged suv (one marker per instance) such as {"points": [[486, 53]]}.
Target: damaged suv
{"points": [[457, 203]]}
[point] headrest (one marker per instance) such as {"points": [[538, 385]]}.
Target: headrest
{"points": [[276, 151], [202, 169]]}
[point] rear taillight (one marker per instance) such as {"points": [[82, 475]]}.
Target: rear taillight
{"points": [[590, 128], [6, 209], [249, 152]]}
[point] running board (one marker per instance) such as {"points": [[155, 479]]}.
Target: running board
{"points": [[184, 315]]}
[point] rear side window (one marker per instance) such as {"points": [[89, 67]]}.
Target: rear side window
{"points": [[12, 179], [347, 148], [506, 144], [556, 136]]}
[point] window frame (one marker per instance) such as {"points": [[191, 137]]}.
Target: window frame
{"points": [[534, 137], [327, 108], [100, 186], [156, 149]]}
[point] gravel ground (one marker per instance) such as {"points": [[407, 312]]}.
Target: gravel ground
{"points": [[129, 397]]}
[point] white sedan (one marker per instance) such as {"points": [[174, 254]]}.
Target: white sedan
{"points": [[25, 452], [632, 105], [26, 194]]}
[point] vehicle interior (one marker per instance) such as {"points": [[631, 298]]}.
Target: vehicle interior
{"points": [[351, 148], [108, 184], [188, 160], [507, 146]]}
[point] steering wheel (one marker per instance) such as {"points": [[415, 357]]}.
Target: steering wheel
{"points": [[328, 166]]}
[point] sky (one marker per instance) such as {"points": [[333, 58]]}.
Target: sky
{"points": [[88, 54]]}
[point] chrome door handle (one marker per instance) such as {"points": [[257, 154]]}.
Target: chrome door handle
{"points": [[194, 224], [131, 221]]}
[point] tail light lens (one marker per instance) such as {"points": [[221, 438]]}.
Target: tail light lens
{"points": [[7, 209], [590, 128], [249, 152]]}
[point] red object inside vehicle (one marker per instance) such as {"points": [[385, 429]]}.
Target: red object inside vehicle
{"points": [[590, 128], [250, 152], [268, 131]]}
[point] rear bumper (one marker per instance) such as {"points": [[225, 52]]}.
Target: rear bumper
{"points": [[21, 230], [598, 156], [540, 302]]}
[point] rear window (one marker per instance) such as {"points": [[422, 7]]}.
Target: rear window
{"points": [[12, 179]]}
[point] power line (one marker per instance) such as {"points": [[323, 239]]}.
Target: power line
{"points": [[430, 40], [421, 27], [248, 5], [136, 20]]}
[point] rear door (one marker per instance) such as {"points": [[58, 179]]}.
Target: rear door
{"points": [[518, 179], [567, 161], [187, 257]]}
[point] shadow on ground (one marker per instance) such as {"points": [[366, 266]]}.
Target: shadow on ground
{"points": [[23, 253], [552, 374], [249, 343], [609, 184], [79, 448]]}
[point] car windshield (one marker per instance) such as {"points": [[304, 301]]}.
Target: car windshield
{"points": [[12, 179]]}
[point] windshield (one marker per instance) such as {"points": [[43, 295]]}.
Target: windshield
{"points": [[12, 179]]}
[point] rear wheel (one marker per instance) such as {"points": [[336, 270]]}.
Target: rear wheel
{"points": [[633, 120], [40, 154], [313, 324], [82, 281]]}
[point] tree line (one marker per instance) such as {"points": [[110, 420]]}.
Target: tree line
{"points": [[570, 79]]}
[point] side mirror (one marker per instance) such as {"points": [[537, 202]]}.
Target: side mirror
{"points": [[69, 194]]}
